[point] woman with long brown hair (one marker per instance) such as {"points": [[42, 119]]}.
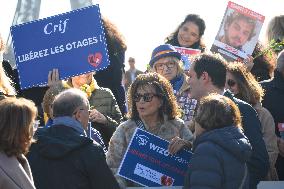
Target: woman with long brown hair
{"points": [[245, 87], [17, 118]]}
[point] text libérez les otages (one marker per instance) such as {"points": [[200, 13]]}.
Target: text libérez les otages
{"points": [[61, 27]]}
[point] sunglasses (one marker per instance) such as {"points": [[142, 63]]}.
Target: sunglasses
{"points": [[147, 97], [81, 109], [231, 83]]}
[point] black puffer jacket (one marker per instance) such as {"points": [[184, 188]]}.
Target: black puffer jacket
{"points": [[61, 158]]}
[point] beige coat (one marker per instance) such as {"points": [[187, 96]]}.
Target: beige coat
{"points": [[269, 137], [13, 174], [123, 134]]}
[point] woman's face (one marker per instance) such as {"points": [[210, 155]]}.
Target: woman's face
{"points": [[188, 34], [231, 83], [147, 101], [166, 67], [80, 80]]}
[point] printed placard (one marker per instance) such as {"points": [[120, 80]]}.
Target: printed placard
{"points": [[148, 162], [187, 54], [74, 42], [238, 32]]}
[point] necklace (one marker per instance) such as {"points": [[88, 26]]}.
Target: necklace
{"points": [[156, 129]]}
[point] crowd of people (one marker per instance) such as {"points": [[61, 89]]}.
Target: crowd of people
{"points": [[227, 113]]}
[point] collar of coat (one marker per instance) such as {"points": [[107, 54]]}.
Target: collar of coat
{"points": [[19, 173]]}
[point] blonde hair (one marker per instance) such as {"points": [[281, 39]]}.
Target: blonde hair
{"points": [[2, 44], [5, 82]]}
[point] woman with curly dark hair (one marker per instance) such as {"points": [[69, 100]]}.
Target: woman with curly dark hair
{"points": [[189, 33], [152, 107], [111, 77], [17, 117]]}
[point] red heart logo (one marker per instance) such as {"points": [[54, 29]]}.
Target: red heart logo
{"points": [[95, 59], [166, 181]]}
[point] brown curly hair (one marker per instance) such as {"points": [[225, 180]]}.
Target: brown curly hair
{"points": [[113, 36], [164, 91], [250, 90], [16, 122], [217, 111]]}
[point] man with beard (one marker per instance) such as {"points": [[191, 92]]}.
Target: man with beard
{"points": [[238, 30]]}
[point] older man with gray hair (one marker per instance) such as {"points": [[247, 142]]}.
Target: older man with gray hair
{"points": [[63, 157]]}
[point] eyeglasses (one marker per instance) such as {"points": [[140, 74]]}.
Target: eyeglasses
{"points": [[231, 83], [147, 97], [75, 112], [161, 66]]}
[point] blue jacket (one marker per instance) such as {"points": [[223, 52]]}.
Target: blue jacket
{"points": [[219, 160], [258, 164]]}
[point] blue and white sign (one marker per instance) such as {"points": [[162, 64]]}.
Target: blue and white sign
{"points": [[73, 42], [148, 162]]}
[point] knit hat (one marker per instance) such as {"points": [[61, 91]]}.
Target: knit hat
{"points": [[163, 51]]}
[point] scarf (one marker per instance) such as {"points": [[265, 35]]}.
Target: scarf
{"points": [[88, 89], [177, 83], [70, 122]]}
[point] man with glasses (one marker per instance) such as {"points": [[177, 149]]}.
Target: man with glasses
{"points": [[166, 61], [208, 75], [63, 157]]}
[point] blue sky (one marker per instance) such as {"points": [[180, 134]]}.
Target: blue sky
{"points": [[145, 24]]}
